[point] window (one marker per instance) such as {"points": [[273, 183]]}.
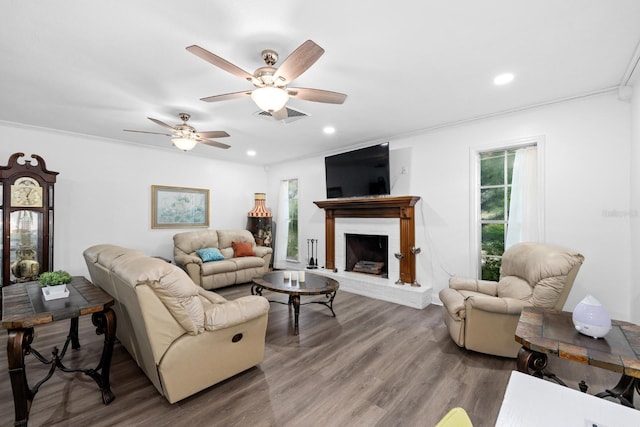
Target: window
{"points": [[496, 170], [509, 208], [292, 234], [287, 224]]}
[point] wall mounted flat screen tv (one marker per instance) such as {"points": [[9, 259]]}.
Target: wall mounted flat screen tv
{"points": [[358, 173]]}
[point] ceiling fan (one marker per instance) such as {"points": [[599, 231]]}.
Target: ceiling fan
{"points": [[271, 92], [185, 137]]}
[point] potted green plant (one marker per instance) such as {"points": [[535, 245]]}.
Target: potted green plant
{"points": [[54, 284]]}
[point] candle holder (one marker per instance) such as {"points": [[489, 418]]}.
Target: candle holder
{"points": [[399, 256], [415, 251]]}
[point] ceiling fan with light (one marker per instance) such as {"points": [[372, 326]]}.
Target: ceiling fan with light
{"points": [[185, 137], [271, 92]]}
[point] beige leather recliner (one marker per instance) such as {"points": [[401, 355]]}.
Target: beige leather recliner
{"points": [[482, 315], [184, 338]]}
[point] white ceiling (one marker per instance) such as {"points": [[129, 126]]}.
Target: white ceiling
{"points": [[98, 67]]}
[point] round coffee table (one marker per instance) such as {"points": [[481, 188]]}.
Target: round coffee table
{"points": [[314, 284]]}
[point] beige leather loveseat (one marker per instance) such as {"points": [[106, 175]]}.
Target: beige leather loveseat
{"points": [[233, 269], [482, 315], [183, 337]]}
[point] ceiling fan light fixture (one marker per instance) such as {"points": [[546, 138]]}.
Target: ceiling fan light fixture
{"points": [[184, 144], [270, 98]]}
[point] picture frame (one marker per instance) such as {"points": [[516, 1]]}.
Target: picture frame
{"points": [[179, 207]]}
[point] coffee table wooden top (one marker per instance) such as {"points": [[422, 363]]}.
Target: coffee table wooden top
{"points": [[24, 306], [552, 332], [314, 284]]}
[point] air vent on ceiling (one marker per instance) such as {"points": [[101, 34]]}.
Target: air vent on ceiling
{"points": [[292, 116]]}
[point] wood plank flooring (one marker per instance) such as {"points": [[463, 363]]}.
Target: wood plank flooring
{"points": [[375, 364]]}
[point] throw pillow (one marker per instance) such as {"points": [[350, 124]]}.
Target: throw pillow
{"points": [[241, 249], [210, 254]]}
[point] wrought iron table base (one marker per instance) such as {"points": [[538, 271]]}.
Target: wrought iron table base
{"points": [[533, 361], [294, 300], [19, 345], [623, 391]]}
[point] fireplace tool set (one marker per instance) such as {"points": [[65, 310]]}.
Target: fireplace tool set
{"points": [[313, 255]]}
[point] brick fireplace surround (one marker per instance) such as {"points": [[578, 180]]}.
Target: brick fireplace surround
{"points": [[401, 208]]}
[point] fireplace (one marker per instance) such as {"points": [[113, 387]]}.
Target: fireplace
{"points": [[367, 253], [391, 217], [400, 208]]}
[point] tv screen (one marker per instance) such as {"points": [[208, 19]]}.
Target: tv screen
{"points": [[358, 173]]}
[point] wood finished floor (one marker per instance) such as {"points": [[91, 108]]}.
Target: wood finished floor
{"points": [[376, 364]]}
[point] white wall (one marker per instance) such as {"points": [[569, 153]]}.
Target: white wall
{"points": [[103, 190], [310, 175], [634, 300], [311, 187], [586, 173], [587, 187]]}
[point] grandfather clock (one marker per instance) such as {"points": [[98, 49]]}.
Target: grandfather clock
{"points": [[27, 218]]}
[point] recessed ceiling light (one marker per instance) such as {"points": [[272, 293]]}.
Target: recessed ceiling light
{"points": [[251, 153], [329, 130], [503, 79]]}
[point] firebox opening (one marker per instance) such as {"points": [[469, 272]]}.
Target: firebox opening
{"points": [[367, 254]]}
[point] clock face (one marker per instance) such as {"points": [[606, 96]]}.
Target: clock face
{"points": [[26, 192]]}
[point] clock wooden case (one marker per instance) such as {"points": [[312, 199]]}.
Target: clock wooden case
{"points": [[26, 207]]}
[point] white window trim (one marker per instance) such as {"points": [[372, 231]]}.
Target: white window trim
{"points": [[475, 244]]}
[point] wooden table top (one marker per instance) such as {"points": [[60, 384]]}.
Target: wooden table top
{"points": [[552, 332], [24, 306], [314, 284]]}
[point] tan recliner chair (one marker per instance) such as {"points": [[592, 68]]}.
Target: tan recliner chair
{"points": [[482, 315]]}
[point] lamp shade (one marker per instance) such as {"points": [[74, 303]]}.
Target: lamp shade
{"points": [[184, 144], [590, 318], [270, 98]]}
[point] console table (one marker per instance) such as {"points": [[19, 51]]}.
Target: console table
{"points": [[24, 307], [545, 332]]}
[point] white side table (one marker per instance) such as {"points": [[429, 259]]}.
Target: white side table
{"points": [[531, 401]]}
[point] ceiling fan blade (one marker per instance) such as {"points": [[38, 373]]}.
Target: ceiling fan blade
{"points": [[212, 134], [226, 96], [213, 143], [316, 95], [299, 61], [144, 131], [280, 114], [156, 121], [220, 62]]}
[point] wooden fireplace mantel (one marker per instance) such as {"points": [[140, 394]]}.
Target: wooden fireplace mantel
{"points": [[374, 207]]}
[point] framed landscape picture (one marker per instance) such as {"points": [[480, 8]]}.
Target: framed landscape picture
{"points": [[179, 207]]}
